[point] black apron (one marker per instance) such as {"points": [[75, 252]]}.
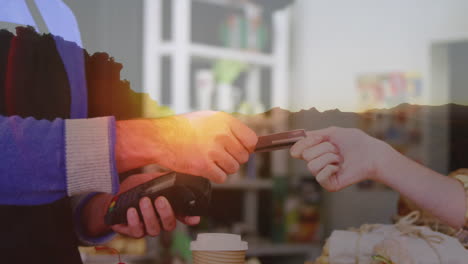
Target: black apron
{"points": [[44, 233], [38, 234]]}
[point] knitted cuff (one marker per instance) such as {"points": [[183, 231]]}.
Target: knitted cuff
{"points": [[89, 150]]}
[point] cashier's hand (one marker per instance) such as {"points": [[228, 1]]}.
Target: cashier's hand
{"points": [[209, 144], [96, 208], [339, 157], [149, 225]]}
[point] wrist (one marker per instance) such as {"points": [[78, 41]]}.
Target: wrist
{"points": [[388, 158], [94, 213], [135, 144]]}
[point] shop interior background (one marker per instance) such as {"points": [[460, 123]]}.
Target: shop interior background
{"points": [[333, 57]]}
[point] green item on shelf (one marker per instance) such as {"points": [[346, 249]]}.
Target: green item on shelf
{"points": [[233, 32], [263, 36], [380, 259], [247, 108], [280, 190], [292, 216], [181, 245], [227, 71], [243, 32]]}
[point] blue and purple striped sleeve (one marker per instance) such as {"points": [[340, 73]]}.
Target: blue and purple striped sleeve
{"points": [[44, 161]]}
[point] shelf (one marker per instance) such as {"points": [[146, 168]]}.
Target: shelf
{"points": [[223, 3], [213, 52], [182, 51], [245, 185], [255, 250], [97, 259], [312, 249]]}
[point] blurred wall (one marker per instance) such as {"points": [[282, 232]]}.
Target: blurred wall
{"points": [[458, 59], [449, 63], [335, 40]]}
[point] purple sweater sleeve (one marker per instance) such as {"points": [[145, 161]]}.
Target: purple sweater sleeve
{"points": [[32, 168], [41, 159]]}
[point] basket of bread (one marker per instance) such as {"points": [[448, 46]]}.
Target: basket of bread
{"points": [[401, 243]]}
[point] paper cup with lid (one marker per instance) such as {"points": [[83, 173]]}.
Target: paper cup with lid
{"points": [[220, 248]]}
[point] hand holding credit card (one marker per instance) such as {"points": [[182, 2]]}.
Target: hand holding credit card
{"points": [[278, 141]]}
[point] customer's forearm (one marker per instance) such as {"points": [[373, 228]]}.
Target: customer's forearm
{"points": [[442, 196]]}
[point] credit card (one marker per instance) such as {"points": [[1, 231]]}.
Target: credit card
{"points": [[281, 140]]}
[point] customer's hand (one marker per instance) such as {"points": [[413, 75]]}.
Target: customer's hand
{"points": [[208, 144], [339, 157], [95, 210]]}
